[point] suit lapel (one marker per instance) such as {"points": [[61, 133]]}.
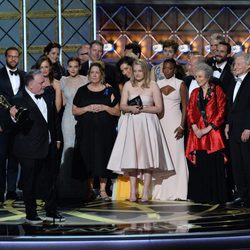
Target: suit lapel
{"points": [[33, 105], [7, 83], [224, 72], [244, 82]]}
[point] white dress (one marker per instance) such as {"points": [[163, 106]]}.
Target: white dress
{"points": [[69, 87], [174, 187], [140, 144]]}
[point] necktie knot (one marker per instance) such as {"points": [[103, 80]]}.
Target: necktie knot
{"points": [[216, 69], [238, 79], [39, 96], [14, 72]]}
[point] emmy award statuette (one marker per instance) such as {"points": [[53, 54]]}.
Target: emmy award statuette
{"points": [[22, 113]]}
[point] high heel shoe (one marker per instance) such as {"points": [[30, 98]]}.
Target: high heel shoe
{"points": [[104, 195]]}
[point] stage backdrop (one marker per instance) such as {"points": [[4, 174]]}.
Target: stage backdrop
{"points": [[30, 24], [187, 22]]}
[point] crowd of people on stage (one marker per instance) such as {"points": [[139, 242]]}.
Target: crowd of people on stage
{"points": [[172, 132]]}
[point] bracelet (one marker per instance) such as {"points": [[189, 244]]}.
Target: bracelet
{"points": [[181, 127]]}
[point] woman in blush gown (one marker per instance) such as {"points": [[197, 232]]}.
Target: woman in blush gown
{"points": [[175, 100], [140, 149], [69, 87]]}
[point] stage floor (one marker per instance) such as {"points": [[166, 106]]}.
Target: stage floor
{"points": [[129, 218]]}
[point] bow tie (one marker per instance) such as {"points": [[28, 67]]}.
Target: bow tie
{"points": [[238, 79], [216, 69], [14, 72], [39, 96]]}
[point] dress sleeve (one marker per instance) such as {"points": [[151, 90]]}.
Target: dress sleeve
{"points": [[77, 98], [220, 105]]}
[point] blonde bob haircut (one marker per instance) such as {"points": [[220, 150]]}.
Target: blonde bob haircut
{"points": [[144, 67]]}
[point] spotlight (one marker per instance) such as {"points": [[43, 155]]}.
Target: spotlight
{"points": [[184, 48], [208, 48], [158, 47], [236, 49], [108, 47]]}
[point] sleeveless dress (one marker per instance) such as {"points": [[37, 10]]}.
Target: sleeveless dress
{"points": [[69, 89], [174, 187], [140, 144], [95, 132]]}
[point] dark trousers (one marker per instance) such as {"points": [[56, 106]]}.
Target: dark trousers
{"points": [[12, 170], [7, 163], [240, 158], [38, 174]]}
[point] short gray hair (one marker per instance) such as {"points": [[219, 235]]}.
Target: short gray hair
{"points": [[205, 68], [243, 55], [30, 76]]}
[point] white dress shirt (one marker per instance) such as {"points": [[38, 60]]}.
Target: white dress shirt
{"points": [[239, 80], [41, 104], [14, 80], [193, 85], [216, 73]]}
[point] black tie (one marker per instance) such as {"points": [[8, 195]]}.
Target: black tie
{"points": [[38, 96], [14, 72], [216, 69]]}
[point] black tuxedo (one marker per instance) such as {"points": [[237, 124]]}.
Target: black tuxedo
{"points": [[226, 80], [7, 135], [35, 148], [238, 119], [110, 74]]}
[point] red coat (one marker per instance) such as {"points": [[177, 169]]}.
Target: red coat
{"points": [[215, 113]]}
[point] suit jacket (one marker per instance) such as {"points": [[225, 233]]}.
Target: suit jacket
{"points": [[238, 111], [32, 137], [215, 113], [111, 76], [6, 137], [226, 79]]}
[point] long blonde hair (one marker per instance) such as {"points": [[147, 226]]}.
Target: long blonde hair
{"points": [[144, 66]]}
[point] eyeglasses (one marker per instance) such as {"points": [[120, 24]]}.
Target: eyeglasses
{"points": [[14, 57]]}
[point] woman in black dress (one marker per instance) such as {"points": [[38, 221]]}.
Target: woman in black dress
{"points": [[96, 108]]}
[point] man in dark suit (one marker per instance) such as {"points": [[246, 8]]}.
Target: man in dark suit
{"points": [[237, 129], [95, 54], [11, 82], [35, 146], [222, 66]]}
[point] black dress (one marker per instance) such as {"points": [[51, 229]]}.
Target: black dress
{"points": [[95, 133]]}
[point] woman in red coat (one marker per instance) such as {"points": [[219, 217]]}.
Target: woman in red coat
{"points": [[206, 114]]}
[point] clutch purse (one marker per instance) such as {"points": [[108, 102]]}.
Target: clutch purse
{"points": [[135, 101]]}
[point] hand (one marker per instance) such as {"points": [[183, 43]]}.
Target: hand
{"points": [[245, 135], [198, 133], [226, 131], [13, 111], [179, 133], [135, 109], [100, 108], [1, 130], [58, 145], [206, 130]]}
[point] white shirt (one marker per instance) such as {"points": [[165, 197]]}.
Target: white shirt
{"points": [[41, 104], [237, 85], [216, 73], [14, 80], [193, 85]]}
